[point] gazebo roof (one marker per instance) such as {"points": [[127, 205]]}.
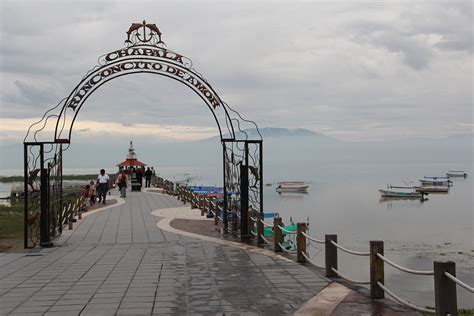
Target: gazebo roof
{"points": [[131, 162]]}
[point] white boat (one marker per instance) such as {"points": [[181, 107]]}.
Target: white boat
{"points": [[292, 186], [401, 192], [433, 189], [435, 182], [456, 174]]}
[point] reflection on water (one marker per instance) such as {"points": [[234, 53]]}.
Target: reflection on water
{"points": [[292, 195], [390, 201]]}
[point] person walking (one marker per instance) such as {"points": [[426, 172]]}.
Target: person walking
{"points": [[148, 174], [102, 185], [122, 184], [139, 175]]}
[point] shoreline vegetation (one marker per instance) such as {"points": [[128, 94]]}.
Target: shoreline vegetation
{"points": [[70, 177]]}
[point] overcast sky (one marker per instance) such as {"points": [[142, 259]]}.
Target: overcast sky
{"points": [[350, 69]]}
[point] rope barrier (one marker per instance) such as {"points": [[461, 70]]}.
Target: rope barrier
{"points": [[342, 276], [265, 240], [253, 219], [309, 260], [399, 267], [265, 224], [285, 230], [459, 282], [403, 302], [352, 252], [313, 239], [253, 233], [286, 250]]}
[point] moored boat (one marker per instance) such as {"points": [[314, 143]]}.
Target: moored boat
{"points": [[456, 174], [433, 189], [402, 192], [292, 186], [435, 182]]}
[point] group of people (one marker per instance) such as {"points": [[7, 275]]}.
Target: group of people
{"points": [[98, 189], [139, 173]]}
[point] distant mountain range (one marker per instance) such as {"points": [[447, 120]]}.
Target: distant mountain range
{"points": [[278, 132]]}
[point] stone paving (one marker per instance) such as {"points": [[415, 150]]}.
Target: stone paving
{"points": [[117, 261]]}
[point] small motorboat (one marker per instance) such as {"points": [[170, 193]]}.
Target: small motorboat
{"points": [[292, 186], [402, 192], [433, 189], [456, 174], [435, 182]]}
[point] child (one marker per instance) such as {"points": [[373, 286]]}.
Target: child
{"points": [[86, 194], [93, 193]]}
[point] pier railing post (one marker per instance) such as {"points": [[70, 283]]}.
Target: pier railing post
{"points": [[445, 289], [260, 229], [250, 224], [277, 235], [300, 242], [376, 269], [331, 255]]}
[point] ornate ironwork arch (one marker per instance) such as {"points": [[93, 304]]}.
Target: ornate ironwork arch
{"points": [[141, 59], [145, 52]]}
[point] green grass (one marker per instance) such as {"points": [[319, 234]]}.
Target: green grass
{"points": [[11, 226]]}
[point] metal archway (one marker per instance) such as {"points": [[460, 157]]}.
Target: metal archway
{"points": [[145, 52]]}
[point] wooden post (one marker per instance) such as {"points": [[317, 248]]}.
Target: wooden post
{"points": [[277, 235], [331, 255], [260, 229], [376, 269], [445, 289], [300, 242]]}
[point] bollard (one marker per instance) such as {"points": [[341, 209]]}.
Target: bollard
{"points": [[260, 229], [70, 225], [277, 235], [202, 206], [79, 215], [300, 242], [445, 289], [376, 269], [331, 255]]}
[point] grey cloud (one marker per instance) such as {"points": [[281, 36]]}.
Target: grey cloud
{"points": [[340, 55]]}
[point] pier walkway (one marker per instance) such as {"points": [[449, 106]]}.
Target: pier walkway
{"points": [[117, 260]]}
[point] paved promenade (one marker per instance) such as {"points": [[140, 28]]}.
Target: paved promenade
{"points": [[117, 261]]}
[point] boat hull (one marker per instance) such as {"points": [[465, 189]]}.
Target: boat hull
{"points": [[397, 194], [435, 182], [456, 175], [433, 189], [293, 189]]}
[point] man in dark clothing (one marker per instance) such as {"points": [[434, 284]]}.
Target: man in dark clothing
{"points": [[139, 175], [148, 174]]}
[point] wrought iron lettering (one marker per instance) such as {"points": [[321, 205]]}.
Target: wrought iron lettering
{"points": [[154, 66]]}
